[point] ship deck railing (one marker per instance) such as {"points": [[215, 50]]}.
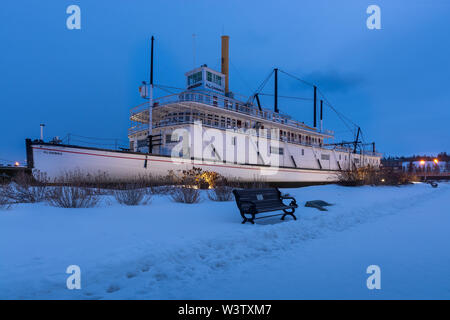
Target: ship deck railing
{"points": [[225, 103], [165, 123]]}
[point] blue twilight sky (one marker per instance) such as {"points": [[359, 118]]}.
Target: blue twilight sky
{"points": [[393, 82]]}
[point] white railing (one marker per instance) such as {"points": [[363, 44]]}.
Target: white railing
{"points": [[165, 123], [226, 103]]}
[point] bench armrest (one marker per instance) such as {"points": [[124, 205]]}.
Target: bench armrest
{"points": [[285, 197]]}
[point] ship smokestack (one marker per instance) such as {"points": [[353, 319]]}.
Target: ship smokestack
{"points": [[225, 60]]}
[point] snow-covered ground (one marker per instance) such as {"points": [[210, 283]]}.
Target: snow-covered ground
{"points": [[168, 250]]}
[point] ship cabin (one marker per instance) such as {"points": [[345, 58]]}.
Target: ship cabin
{"points": [[232, 129]]}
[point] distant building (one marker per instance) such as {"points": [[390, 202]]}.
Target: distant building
{"points": [[425, 166], [419, 164]]}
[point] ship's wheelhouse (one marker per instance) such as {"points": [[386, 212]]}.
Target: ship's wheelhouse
{"points": [[205, 79]]}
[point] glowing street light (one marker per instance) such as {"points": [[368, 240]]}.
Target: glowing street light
{"points": [[422, 163], [436, 161]]}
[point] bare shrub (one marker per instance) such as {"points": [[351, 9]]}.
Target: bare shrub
{"points": [[255, 184], [374, 176], [72, 197], [198, 178], [159, 184], [164, 189], [99, 182], [388, 176], [185, 195], [221, 193], [26, 189], [73, 192], [5, 199], [258, 184], [132, 194], [350, 178]]}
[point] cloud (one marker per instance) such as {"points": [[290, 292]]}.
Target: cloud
{"points": [[332, 80]]}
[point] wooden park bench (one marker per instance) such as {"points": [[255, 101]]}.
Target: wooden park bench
{"points": [[254, 201]]}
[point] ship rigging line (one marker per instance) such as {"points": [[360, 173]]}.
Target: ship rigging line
{"points": [[345, 120], [292, 76], [163, 88], [341, 116], [261, 86], [93, 138], [240, 76], [287, 97]]}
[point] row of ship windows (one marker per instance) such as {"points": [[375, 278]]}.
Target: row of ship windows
{"points": [[275, 150], [197, 77], [225, 122], [170, 138]]}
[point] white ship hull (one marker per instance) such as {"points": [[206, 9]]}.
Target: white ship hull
{"points": [[56, 160]]}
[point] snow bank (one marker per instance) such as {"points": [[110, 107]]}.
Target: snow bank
{"points": [[169, 250]]}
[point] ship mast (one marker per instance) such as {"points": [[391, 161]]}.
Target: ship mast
{"points": [[150, 101]]}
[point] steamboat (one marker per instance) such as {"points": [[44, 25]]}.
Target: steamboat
{"points": [[206, 126]]}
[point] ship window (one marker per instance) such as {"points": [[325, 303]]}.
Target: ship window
{"points": [[214, 78], [303, 152], [194, 78], [275, 150], [325, 157], [170, 138], [218, 79], [233, 140]]}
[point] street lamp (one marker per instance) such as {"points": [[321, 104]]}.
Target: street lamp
{"points": [[422, 163]]}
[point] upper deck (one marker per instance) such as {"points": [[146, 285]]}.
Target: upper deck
{"points": [[195, 100]]}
